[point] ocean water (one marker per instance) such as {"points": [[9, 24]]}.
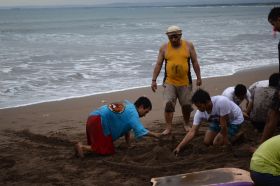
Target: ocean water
{"points": [[58, 53]]}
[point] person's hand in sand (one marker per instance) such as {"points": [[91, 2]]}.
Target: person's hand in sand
{"points": [[176, 151], [112, 121], [220, 140], [188, 137]]}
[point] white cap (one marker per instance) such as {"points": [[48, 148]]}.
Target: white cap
{"points": [[173, 29]]}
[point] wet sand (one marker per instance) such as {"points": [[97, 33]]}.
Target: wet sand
{"points": [[37, 142]]}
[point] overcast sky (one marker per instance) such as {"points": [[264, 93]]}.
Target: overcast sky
{"points": [[4, 3]]}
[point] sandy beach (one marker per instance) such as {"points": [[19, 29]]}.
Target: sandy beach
{"points": [[36, 141]]}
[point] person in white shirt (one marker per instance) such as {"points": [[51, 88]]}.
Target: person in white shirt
{"points": [[223, 116], [237, 94]]}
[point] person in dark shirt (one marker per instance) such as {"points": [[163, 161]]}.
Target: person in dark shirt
{"points": [[274, 111]]}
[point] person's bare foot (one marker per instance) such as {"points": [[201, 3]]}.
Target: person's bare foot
{"points": [[166, 132], [78, 150]]}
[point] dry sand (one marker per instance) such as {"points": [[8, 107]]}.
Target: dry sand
{"points": [[36, 142]]}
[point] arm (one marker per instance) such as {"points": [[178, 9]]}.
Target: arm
{"points": [[248, 110], [188, 137], [158, 67], [195, 64], [271, 124], [249, 104], [127, 138], [223, 132]]}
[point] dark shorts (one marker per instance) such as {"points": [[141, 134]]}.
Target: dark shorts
{"points": [[232, 129], [99, 143], [263, 179]]}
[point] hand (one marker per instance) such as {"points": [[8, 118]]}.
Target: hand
{"points": [[198, 82], [154, 86], [246, 116], [176, 151], [220, 140]]}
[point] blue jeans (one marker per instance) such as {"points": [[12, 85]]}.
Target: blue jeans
{"points": [[232, 128]]}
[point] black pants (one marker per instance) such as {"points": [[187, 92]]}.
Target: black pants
{"points": [[263, 179]]}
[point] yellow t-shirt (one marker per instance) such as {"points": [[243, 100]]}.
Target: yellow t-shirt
{"points": [[177, 66], [266, 158]]}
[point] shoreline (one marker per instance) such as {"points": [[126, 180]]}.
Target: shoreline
{"points": [[127, 89]]}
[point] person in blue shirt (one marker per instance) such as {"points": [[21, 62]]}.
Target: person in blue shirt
{"points": [[110, 122]]}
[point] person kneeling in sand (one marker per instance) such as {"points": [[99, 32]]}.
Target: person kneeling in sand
{"points": [[110, 122], [237, 94], [224, 117]]}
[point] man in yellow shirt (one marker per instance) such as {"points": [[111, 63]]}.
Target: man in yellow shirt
{"points": [[177, 54], [265, 163]]}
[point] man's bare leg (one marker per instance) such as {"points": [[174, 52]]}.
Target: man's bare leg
{"points": [[186, 111], [209, 137], [168, 114], [168, 119], [186, 116]]}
